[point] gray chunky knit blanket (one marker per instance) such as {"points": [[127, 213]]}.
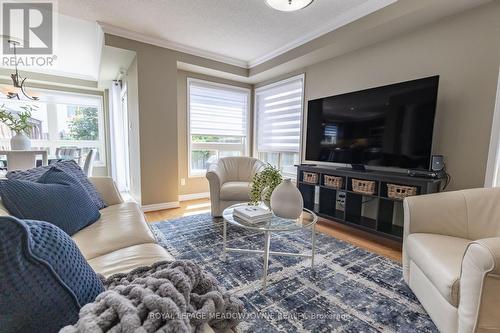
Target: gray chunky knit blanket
{"points": [[165, 297]]}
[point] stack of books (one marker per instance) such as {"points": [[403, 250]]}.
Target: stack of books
{"points": [[252, 214]]}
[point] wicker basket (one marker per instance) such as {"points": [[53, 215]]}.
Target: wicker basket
{"points": [[310, 177], [333, 181], [363, 186], [400, 191]]}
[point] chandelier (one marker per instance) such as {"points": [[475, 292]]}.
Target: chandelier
{"points": [[288, 5], [18, 87]]}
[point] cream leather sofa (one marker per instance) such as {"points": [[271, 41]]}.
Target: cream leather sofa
{"points": [[451, 258], [121, 239], [229, 179]]}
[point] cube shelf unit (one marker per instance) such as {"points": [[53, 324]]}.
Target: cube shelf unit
{"points": [[375, 213]]}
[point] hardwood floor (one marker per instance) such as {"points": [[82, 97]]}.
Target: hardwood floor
{"points": [[356, 237]]}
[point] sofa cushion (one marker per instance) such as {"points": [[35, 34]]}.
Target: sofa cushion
{"points": [[119, 226], [56, 197], [71, 168], [125, 260], [235, 191], [440, 259], [43, 276]]}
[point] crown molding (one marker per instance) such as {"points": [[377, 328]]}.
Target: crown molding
{"points": [[348, 17], [125, 33]]}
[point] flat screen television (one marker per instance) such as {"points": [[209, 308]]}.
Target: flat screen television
{"points": [[389, 126]]}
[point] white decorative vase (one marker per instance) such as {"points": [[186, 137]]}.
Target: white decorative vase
{"points": [[20, 142], [286, 200]]}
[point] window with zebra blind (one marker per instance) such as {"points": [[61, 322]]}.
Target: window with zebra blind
{"points": [[278, 121], [218, 123]]}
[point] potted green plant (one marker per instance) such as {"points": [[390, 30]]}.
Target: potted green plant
{"points": [[19, 125], [263, 185]]}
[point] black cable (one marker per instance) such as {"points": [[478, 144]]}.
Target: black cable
{"points": [[447, 178]]}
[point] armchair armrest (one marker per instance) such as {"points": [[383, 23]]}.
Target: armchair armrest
{"points": [[480, 287], [107, 189], [441, 213], [215, 177]]}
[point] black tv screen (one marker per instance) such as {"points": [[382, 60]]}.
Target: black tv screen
{"points": [[389, 126]]}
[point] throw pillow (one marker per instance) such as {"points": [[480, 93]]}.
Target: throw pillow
{"points": [[45, 279], [71, 168], [57, 198]]}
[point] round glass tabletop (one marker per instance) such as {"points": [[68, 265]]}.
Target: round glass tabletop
{"points": [[275, 223]]}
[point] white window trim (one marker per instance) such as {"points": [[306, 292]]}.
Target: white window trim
{"points": [[215, 146], [492, 178], [255, 151]]}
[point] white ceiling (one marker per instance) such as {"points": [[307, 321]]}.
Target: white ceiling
{"points": [[242, 32]]}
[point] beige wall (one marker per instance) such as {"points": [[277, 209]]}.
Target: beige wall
{"points": [[157, 108], [194, 184], [157, 100], [465, 51]]}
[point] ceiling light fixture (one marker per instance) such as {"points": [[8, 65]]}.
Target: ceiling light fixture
{"points": [[288, 5], [17, 81]]}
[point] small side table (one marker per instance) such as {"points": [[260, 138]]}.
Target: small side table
{"points": [[307, 220]]}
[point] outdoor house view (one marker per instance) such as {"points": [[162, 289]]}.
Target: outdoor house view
{"points": [[60, 121]]}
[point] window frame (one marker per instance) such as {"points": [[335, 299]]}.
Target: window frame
{"points": [[51, 143], [255, 133], [213, 145]]}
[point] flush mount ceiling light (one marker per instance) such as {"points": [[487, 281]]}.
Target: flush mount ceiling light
{"points": [[288, 5]]}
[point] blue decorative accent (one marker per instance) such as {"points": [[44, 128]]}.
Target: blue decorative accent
{"points": [[71, 168], [350, 289], [43, 276], [57, 198]]}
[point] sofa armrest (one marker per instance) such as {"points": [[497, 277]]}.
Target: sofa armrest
{"points": [[107, 189], [480, 287]]}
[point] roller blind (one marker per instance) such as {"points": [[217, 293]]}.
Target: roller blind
{"points": [[279, 113], [217, 110]]}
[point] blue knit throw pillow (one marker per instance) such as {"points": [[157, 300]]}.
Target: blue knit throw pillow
{"points": [[57, 198], [44, 278], [71, 168]]}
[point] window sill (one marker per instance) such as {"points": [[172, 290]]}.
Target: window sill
{"points": [[194, 176]]}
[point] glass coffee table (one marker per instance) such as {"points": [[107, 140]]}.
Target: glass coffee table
{"points": [[274, 225]]}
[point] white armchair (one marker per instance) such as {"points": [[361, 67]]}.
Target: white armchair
{"points": [[229, 180], [451, 258]]}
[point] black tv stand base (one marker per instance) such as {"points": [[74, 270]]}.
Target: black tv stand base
{"points": [[376, 213]]}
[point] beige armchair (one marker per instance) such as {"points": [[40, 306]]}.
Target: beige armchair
{"points": [[451, 258], [229, 179]]}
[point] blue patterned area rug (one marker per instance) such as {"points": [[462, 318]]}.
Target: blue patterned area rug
{"points": [[350, 289]]}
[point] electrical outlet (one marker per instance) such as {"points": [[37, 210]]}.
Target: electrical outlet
{"points": [[183, 181]]}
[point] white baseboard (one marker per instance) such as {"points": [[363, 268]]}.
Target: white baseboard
{"points": [[194, 196], [160, 206]]}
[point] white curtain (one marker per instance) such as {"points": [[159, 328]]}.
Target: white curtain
{"points": [[119, 136]]}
